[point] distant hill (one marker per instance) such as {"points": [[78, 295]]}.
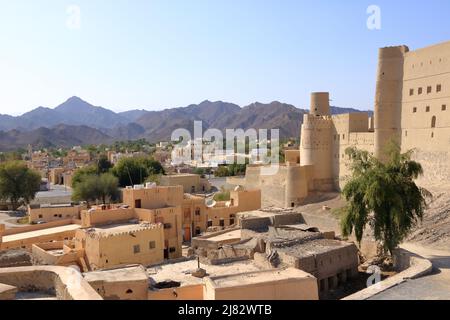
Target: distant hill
{"points": [[76, 122], [58, 136], [74, 111], [133, 115]]}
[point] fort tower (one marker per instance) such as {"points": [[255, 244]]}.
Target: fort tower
{"points": [[388, 97]]}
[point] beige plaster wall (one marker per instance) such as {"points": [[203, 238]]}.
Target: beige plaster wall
{"points": [[191, 292], [48, 214], [118, 249], [191, 183]]}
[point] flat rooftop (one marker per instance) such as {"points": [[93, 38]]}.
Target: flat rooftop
{"points": [[52, 205], [232, 235], [175, 175], [314, 247], [237, 280], [268, 212], [38, 233], [131, 273], [181, 271]]}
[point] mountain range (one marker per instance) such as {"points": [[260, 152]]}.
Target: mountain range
{"points": [[77, 122]]}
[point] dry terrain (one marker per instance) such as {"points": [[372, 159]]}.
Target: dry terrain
{"points": [[434, 230]]}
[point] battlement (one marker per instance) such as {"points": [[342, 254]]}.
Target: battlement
{"points": [[120, 230], [317, 122], [393, 52]]}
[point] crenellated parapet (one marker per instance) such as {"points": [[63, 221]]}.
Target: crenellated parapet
{"points": [[130, 230], [317, 122]]}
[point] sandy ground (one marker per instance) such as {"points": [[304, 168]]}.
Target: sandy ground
{"points": [[434, 230], [332, 200]]}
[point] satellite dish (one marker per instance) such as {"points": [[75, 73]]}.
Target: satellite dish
{"points": [[238, 188], [210, 203], [228, 204]]}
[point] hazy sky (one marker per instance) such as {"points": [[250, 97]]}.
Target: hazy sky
{"points": [[157, 54]]}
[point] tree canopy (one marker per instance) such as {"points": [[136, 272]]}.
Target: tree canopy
{"points": [[230, 170], [81, 173], [103, 164], [384, 196], [18, 183], [92, 187], [132, 171]]}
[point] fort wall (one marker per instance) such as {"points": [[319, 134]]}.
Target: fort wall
{"points": [[425, 118]]}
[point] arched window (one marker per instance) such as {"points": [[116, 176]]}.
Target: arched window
{"points": [[433, 122]]}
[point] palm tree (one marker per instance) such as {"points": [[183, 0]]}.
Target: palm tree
{"points": [[383, 195]]}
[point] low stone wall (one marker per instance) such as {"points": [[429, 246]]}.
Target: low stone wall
{"points": [[66, 283], [15, 258], [43, 256], [37, 227], [191, 292], [410, 266]]}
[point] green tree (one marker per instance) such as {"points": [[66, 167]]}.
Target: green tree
{"points": [[103, 164], [10, 156], [222, 196], [236, 169], [104, 187], [384, 196], [153, 166], [155, 178], [108, 188], [132, 171], [222, 171], [80, 174], [85, 189], [200, 172], [92, 149], [18, 183]]}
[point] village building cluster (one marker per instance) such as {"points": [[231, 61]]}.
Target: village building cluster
{"points": [[171, 241]]}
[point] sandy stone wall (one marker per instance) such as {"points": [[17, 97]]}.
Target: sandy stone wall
{"points": [[436, 166], [65, 283]]}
